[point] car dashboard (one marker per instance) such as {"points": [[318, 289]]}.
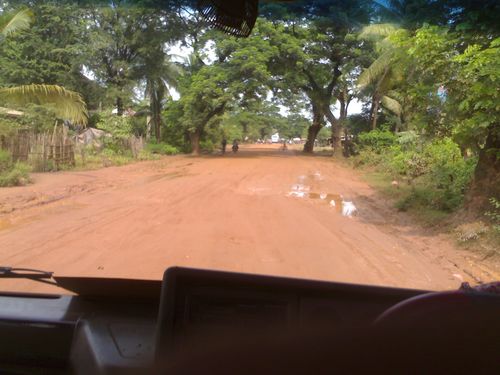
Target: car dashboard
{"points": [[122, 326]]}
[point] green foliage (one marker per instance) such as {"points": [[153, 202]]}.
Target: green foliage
{"points": [[478, 97], [66, 104], [378, 140], [436, 171], [207, 145], [7, 126], [37, 118], [127, 45], [5, 160], [494, 213], [408, 139], [118, 157], [161, 149], [118, 126], [446, 168], [12, 174], [357, 123]]}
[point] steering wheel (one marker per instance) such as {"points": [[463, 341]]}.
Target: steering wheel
{"points": [[435, 333], [456, 332]]}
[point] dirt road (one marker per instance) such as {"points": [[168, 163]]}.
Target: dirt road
{"points": [[261, 211]]}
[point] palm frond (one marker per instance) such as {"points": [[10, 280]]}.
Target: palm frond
{"points": [[377, 31], [395, 95], [67, 104], [392, 105], [10, 23], [375, 70], [170, 73]]}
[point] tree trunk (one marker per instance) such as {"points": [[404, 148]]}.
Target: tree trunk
{"points": [[337, 139], [374, 112], [148, 128], [312, 133], [336, 132], [486, 178], [245, 129], [157, 127], [195, 142], [347, 144], [119, 106], [314, 129]]}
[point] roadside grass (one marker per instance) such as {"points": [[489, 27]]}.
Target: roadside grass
{"points": [[13, 173], [16, 175], [92, 161], [407, 198], [478, 235], [480, 238]]}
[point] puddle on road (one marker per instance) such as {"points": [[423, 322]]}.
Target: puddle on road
{"points": [[336, 201]]}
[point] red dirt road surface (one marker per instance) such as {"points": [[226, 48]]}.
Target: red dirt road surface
{"points": [[261, 211]]}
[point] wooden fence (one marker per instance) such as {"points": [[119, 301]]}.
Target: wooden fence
{"points": [[55, 149], [43, 151]]}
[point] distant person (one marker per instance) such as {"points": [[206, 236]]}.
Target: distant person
{"points": [[235, 146], [284, 147], [224, 144]]}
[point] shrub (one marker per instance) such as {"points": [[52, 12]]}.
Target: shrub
{"points": [[405, 163], [408, 139], [110, 157], [377, 140], [494, 213], [161, 148], [369, 157], [7, 126], [5, 160], [147, 155], [447, 173], [438, 173], [38, 118], [16, 175], [116, 145], [118, 126], [207, 145]]}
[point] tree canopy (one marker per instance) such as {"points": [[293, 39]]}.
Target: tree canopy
{"points": [[424, 67]]}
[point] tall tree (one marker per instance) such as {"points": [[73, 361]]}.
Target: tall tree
{"points": [[66, 104], [385, 71], [51, 51], [467, 108], [121, 37], [237, 74], [316, 50]]}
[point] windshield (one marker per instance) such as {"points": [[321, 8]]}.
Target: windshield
{"points": [[343, 141]]}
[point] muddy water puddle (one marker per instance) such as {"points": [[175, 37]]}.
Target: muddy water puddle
{"points": [[309, 187]]}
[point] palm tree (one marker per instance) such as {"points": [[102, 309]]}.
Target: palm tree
{"points": [[159, 80], [384, 73], [67, 104]]}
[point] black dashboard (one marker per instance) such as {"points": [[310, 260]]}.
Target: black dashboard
{"points": [[122, 326]]}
